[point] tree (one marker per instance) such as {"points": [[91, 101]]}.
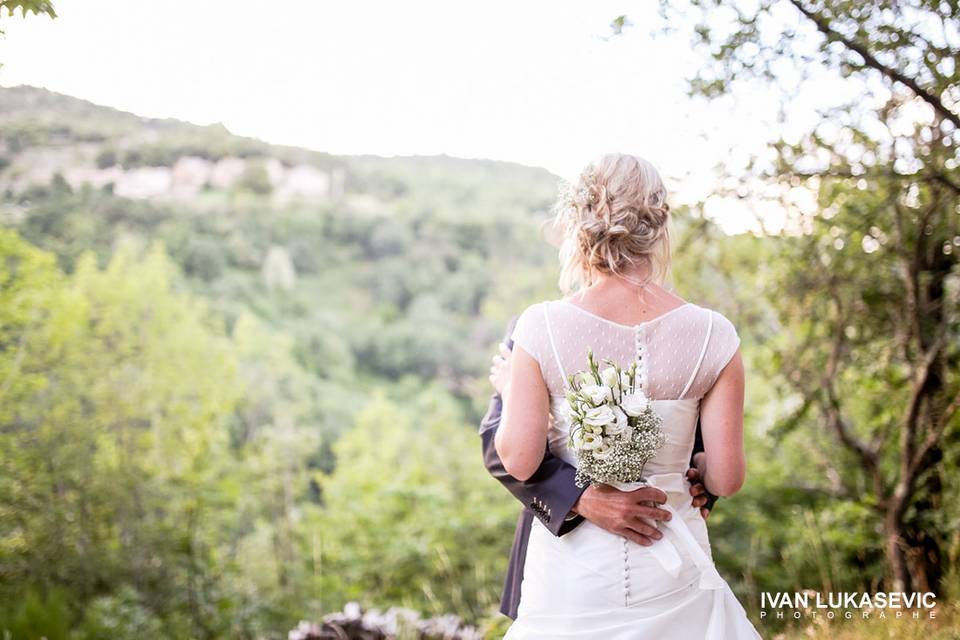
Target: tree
{"points": [[10, 7], [116, 394], [28, 6], [410, 494], [866, 290]]}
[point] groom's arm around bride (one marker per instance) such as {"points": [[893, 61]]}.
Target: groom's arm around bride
{"points": [[551, 495]]}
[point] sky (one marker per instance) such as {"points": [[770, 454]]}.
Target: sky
{"points": [[531, 81]]}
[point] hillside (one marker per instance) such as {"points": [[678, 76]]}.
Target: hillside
{"points": [[43, 133], [343, 237]]}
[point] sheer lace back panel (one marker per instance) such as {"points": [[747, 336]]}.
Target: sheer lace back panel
{"points": [[676, 344]]}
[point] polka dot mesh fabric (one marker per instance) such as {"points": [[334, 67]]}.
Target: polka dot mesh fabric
{"points": [[674, 346]]}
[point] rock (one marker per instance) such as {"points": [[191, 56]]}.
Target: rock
{"points": [[354, 624]]}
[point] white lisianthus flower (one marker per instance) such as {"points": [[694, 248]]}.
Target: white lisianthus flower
{"points": [[619, 423], [597, 394], [591, 442], [624, 379], [610, 377], [576, 439], [603, 452], [584, 379], [599, 416], [634, 404]]}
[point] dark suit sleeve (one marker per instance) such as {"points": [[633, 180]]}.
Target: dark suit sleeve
{"points": [[550, 492]]}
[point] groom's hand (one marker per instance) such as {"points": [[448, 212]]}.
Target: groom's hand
{"points": [[623, 512], [698, 491], [500, 368]]}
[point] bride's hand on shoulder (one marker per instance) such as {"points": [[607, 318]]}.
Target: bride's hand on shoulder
{"points": [[624, 512], [500, 369]]}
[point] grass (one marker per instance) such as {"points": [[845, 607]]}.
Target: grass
{"points": [[945, 626]]}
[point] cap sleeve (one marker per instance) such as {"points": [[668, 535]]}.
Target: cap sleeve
{"points": [[530, 331], [726, 341]]}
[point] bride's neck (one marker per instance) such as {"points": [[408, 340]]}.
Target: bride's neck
{"points": [[635, 279]]}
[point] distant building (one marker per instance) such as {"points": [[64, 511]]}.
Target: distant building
{"points": [[76, 177], [190, 175], [226, 172], [185, 179], [303, 181], [144, 182], [275, 171]]}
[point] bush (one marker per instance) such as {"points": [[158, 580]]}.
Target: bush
{"points": [[121, 616]]}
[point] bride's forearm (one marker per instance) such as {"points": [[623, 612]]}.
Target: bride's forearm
{"points": [[519, 455], [719, 479]]}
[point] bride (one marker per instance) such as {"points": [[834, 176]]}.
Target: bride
{"points": [[612, 231]]}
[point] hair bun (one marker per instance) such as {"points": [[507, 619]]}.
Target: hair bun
{"points": [[615, 215]]}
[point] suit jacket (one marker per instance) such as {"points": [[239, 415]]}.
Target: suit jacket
{"points": [[549, 494]]}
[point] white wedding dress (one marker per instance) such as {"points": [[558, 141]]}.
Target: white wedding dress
{"points": [[591, 583]]}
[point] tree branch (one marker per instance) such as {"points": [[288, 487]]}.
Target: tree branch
{"points": [[917, 394], [835, 420], [871, 61], [935, 434]]}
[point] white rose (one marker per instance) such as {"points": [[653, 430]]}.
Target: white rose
{"points": [[599, 416], [596, 393], [633, 404], [619, 423], [610, 377]]}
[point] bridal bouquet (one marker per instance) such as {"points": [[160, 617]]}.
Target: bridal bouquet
{"points": [[614, 430]]}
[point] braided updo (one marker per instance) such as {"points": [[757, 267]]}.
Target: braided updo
{"points": [[613, 218]]}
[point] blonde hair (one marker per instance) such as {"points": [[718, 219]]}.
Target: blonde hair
{"points": [[613, 218]]}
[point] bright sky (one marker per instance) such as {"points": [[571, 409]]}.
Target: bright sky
{"points": [[533, 82]]}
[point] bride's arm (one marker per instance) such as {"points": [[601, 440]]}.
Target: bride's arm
{"points": [[722, 465], [526, 409]]}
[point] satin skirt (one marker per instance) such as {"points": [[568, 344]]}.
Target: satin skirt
{"points": [[590, 583]]}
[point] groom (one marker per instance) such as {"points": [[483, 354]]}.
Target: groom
{"points": [[551, 495]]}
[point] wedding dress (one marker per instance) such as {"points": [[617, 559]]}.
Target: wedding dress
{"points": [[591, 583]]}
